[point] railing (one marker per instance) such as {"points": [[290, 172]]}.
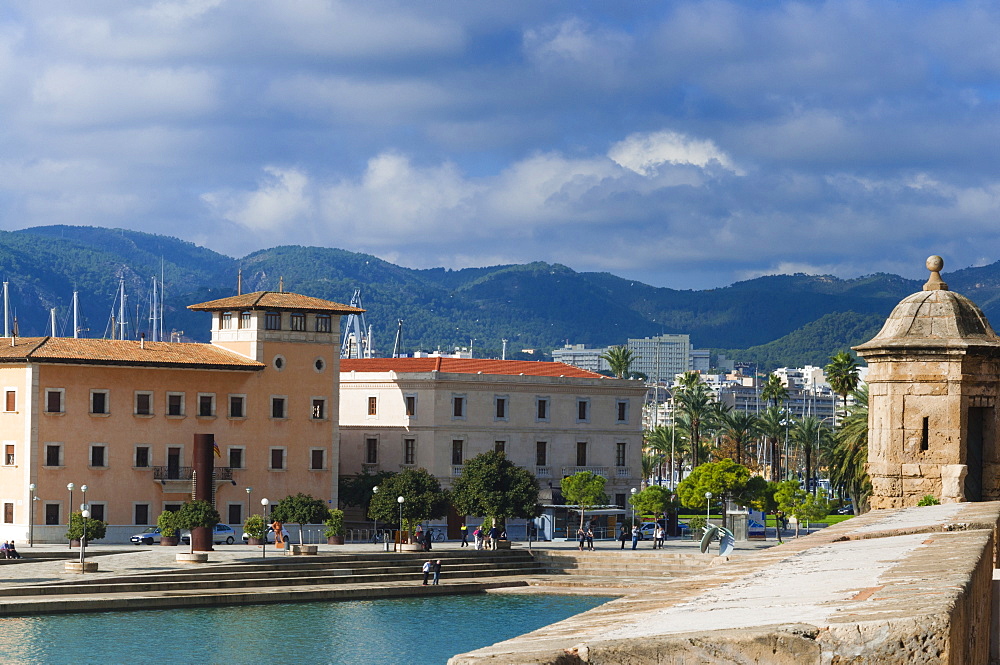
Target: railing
{"points": [[369, 468], [543, 472], [622, 472], [369, 535], [187, 473], [596, 470], [456, 470]]}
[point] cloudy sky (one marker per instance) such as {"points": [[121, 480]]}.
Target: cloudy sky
{"points": [[684, 144]]}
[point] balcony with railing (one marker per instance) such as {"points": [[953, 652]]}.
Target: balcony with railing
{"points": [[179, 478], [596, 470], [543, 472]]}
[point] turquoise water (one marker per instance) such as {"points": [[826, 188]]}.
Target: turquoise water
{"points": [[414, 631]]}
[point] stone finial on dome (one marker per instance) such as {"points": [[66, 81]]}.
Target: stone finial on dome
{"points": [[934, 283]]}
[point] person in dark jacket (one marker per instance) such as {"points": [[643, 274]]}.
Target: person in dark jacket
{"points": [[436, 569]]}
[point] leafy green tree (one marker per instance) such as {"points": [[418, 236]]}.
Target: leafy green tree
{"points": [[424, 498], [811, 435], [774, 390], [584, 489], [804, 506], [694, 402], [356, 490], [842, 374], [725, 479], [301, 509], [849, 456], [96, 529], [620, 360], [773, 428], [491, 485], [740, 428], [655, 499], [194, 515]]}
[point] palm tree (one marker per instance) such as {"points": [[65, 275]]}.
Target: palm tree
{"points": [[842, 375], [694, 401], [773, 389], [666, 442], [849, 456], [740, 427], [619, 359], [772, 427], [650, 463], [812, 436]]}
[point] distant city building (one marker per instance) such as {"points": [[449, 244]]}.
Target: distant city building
{"points": [[578, 355], [662, 356], [700, 360]]}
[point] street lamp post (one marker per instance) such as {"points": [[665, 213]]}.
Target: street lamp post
{"points": [[633, 491], [400, 500], [69, 511], [374, 492], [249, 492], [85, 513], [708, 506], [31, 516], [84, 506], [263, 510]]}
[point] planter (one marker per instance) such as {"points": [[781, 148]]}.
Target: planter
{"points": [[304, 549], [335, 540], [169, 541], [77, 567], [196, 557], [255, 541], [503, 544], [411, 547], [75, 542]]}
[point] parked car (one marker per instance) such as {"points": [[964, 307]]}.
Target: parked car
{"points": [[222, 533], [846, 509], [147, 537], [646, 530], [269, 536]]}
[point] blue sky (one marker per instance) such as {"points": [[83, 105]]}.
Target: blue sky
{"points": [[684, 144]]}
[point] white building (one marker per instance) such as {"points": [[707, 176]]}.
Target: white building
{"points": [[661, 356], [578, 355], [436, 413]]}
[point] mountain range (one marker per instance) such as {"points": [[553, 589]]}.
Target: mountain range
{"points": [[772, 321]]}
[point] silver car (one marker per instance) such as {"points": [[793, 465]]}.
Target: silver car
{"points": [[147, 537], [222, 533]]}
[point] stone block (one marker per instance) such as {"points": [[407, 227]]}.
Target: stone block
{"points": [[911, 471], [919, 486], [887, 486]]}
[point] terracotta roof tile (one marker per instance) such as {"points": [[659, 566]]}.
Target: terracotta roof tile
{"points": [[275, 300], [121, 352], [467, 366]]}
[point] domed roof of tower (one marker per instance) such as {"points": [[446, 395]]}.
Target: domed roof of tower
{"points": [[934, 317]]}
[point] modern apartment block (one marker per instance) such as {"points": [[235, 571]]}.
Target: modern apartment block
{"points": [[661, 357], [437, 413], [578, 355], [119, 417]]}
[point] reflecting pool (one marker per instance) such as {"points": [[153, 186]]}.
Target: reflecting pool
{"points": [[414, 631]]}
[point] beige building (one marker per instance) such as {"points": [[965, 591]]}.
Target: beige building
{"points": [[119, 417], [436, 413]]}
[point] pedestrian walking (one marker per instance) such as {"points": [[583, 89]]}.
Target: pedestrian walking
{"points": [[623, 535], [465, 535], [427, 571], [658, 535], [436, 568], [635, 536], [477, 535], [590, 539], [581, 537], [494, 537]]}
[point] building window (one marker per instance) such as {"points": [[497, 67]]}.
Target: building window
{"points": [[500, 446], [317, 459], [11, 402], [206, 405], [541, 408], [371, 451], [244, 319], [235, 457], [175, 404], [319, 408], [622, 406], [99, 402], [409, 451], [278, 407], [272, 321], [54, 400], [141, 513], [411, 405], [297, 322], [227, 320], [457, 407], [501, 407], [277, 459], [142, 457], [582, 410], [235, 513], [456, 452], [8, 513], [237, 406], [619, 454], [97, 511], [541, 453], [620, 500], [98, 455], [319, 364], [372, 405], [53, 454], [144, 404], [8, 454], [52, 514], [581, 453], [323, 323]]}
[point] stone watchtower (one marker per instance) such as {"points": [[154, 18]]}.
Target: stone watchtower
{"points": [[934, 382]]}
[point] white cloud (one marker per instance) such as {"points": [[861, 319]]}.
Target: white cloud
{"points": [[645, 152], [281, 202]]}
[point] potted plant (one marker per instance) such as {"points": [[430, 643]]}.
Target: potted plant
{"points": [[96, 529], [301, 509], [334, 527], [195, 515], [256, 530], [168, 528]]}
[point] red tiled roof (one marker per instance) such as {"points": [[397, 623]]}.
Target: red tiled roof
{"points": [[121, 352], [275, 300], [466, 366]]}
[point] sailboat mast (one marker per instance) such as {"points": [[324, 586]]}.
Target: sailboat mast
{"points": [[121, 310], [52, 317], [6, 311], [76, 314]]}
